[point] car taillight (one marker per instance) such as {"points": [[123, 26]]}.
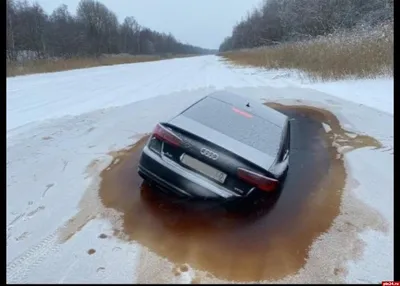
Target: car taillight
{"points": [[257, 180], [166, 135]]}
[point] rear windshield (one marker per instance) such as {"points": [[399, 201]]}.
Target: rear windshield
{"points": [[251, 130]]}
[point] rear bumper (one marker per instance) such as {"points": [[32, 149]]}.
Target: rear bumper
{"points": [[173, 177]]}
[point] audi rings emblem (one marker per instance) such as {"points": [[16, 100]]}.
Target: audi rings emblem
{"points": [[208, 153]]}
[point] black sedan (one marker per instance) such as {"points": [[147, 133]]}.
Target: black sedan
{"points": [[224, 146]]}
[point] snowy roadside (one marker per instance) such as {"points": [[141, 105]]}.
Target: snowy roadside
{"points": [[58, 124], [47, 96]]}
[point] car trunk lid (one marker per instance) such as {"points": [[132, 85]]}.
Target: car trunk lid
{"points": [[197, 136]]}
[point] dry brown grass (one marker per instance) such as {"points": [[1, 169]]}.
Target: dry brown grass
{"points": [[361, 55], [47, 66]]}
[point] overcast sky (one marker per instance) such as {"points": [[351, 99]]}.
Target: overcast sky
{"points": [[203, 23]]}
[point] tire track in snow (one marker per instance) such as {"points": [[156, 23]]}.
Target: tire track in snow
{"points": [[19, 268]]}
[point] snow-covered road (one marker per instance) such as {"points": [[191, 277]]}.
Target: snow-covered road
{"points": [[61, 128]]}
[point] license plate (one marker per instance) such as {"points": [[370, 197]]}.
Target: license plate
{"points": [[203, 168]]}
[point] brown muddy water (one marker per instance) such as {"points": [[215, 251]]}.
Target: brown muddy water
{"points": [[268, 242]]}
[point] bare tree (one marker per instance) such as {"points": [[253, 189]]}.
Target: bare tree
{"points": [[130, 30], [28, 24], [280, 21], [10, 45], [94, 31], [64, 38]]}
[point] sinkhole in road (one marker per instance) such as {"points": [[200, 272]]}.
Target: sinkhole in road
{"points": [[269, 245]]}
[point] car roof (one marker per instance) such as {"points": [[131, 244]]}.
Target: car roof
{"points": [[255, 107]]}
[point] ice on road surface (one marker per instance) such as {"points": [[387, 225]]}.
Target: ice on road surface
{"points": [[59, 124]]}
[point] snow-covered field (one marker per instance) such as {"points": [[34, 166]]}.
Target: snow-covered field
{"points": [[57, 124]]}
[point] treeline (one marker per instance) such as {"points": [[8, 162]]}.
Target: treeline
{"points": [[279, 21], [93, 31]]}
